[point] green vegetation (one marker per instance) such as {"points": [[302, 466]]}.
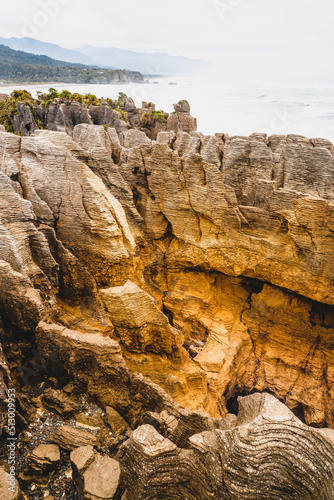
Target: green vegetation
{"points": [[38, 74], [145, 119], [20, 67], [159, 116], [11, 56], [8, 107], [66, 96], [124, 115]]}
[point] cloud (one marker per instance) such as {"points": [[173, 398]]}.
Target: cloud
{"points": [[248, 32]]}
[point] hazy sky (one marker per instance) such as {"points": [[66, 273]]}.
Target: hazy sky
{"points": [[248, 36]]}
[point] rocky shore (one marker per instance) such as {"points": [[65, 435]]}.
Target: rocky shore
{"points": [[21, 114], [166, 308]]}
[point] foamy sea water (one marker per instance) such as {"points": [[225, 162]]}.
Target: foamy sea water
{"points": [[233, 108]]}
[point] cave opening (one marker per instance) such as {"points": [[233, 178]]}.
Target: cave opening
{"points": [[169, 315], [232, 404]]}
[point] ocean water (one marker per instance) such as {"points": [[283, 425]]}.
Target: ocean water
{"points": [[235, 108]]}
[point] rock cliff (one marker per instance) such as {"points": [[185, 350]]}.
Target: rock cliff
{"points": [[169, 279], [22, 114]]}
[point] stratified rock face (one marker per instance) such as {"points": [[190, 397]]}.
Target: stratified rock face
{"points": [[268, 454], [62, 115], [138, 322], [181, 120], [197, 222], [239, 218], [122, 255]]}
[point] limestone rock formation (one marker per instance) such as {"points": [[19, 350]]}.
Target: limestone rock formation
{"points": [[138, 322], [166, 278], [63, 113], [24, 121], [181, 120], [269, 453]]}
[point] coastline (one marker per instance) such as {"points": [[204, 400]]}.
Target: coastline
{"points": [[230, 108]]}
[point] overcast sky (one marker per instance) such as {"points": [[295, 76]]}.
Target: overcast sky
{"points": [[288, 36]]}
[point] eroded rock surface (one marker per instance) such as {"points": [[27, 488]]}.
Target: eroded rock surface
{"points": [[268, 454], [69, 438], [63, 114], [169, 277]]}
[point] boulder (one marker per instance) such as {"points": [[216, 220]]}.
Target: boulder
{"points": [[81, 459], [59, 402], [101, 479], [96, 477], [116, 421], [138, 322], [268, 453], [42, 462], [69, 438]]}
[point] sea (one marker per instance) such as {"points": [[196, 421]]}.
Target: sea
{"points": [[234, 108]]}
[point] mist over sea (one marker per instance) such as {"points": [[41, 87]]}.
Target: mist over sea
{"points": [[235, 108]]}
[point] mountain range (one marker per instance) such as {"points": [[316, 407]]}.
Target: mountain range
{"points": [[17, 66], [112, 58]]}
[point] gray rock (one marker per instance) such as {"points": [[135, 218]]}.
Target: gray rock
{"points": [[181, 120], [182, 107], [166, 138], [24, 121], [135, 138]]}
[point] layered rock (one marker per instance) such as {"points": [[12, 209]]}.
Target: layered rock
{"points": [[118, 259], [70, 438], [181, 120], [41, 463], [184, 199], [62, 114], [267, 453], [138, 322]]}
